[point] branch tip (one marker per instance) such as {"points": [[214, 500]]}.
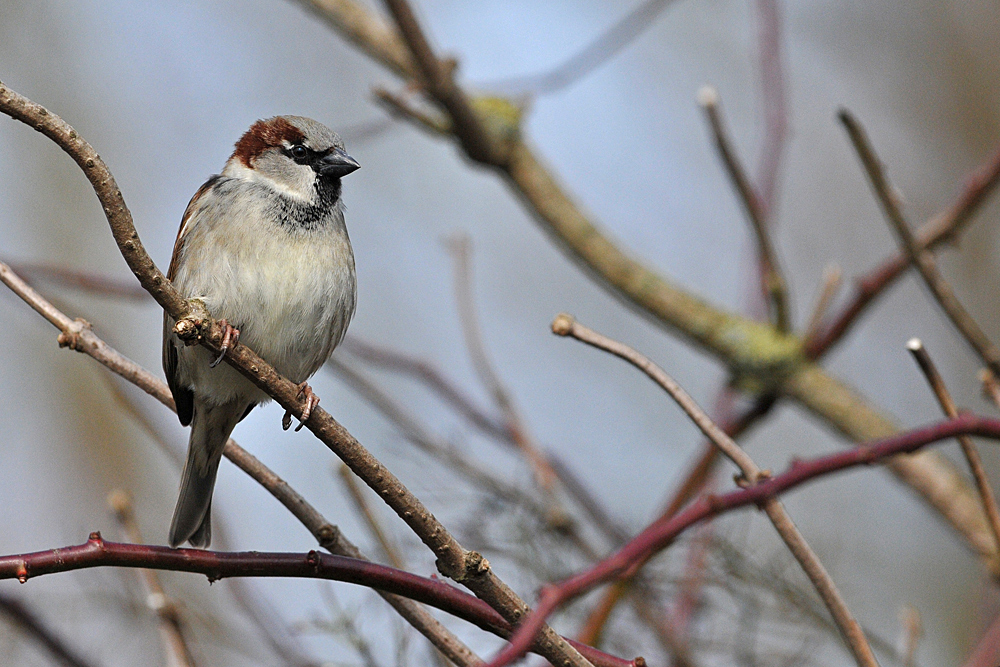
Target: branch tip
{"points": [[707, 96], [562, 325]]}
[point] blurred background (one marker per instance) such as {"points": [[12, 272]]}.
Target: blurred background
{"points": [[163, 89]]}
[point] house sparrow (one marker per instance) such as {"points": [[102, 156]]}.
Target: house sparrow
{"points": [[264, 246]]}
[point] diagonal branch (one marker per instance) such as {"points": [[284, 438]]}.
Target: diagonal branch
{"points": [[564, 325], [20, 615], [934, 379], [195, 324], [78, 335], [774, 284], [921, 258], [441, 86], [942, 228]]}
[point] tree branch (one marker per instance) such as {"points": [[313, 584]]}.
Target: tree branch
{"points": [[773, 282], [329, 536], [752, 351], [921, 258], [215, 565], [564, 325], [662, 534], [934, 379], [194, 323]]}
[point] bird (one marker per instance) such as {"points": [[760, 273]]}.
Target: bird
{"points": [[264, 246]]}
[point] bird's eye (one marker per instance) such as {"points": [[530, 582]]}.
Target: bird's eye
{"points": [[299, 152]]}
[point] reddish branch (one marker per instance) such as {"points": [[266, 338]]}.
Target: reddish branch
{"points": [[96, 552], [943, 228], [661, 534]]}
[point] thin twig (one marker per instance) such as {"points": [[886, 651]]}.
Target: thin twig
{"points": [[921, 258], [374, 526], [399, 106], [81, 280], [693, 482], [400, 362], [774, 285], [774, 101], [441, 86], [991, 387], [328, 535], [828, 289], [460, 247], [20, 615], [662, 533], [194, 323], [564, 325], [589, 58], [934, 379], [170, 622], [913, 630]]}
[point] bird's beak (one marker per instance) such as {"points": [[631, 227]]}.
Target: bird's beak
{"points": [[337, 163]]}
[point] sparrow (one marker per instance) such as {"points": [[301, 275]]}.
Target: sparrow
{"points": [[265, 247]]}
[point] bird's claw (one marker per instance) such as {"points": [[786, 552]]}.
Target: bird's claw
{"points": [[311, 399], [230, 339]]}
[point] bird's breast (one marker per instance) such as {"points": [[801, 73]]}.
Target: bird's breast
{"points": [[291, 293]]}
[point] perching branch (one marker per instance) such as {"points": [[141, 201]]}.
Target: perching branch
{"points": [[195, 324], [78, 335]]}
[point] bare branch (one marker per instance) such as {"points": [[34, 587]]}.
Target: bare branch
{"points": [[170, 623], [593, 55], [215, 565], [564, 325], [774, 101], [194, 323], [81, 280], [460, 247], [921, 258], [368, 32], [440, 84], [662, 533], [374, 526], [773, 361], [328, 535], [831, 283], [934, 379], [774, 285], [21, 616], [400, 362], [991, 387]]}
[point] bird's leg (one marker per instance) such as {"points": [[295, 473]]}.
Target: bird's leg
{"points": [[311, 399], [230, 339]]}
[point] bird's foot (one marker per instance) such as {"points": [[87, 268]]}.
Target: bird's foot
{"points": [[230, 339], [311, 399]]}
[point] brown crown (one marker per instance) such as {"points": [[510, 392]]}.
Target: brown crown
{"points": [[265, 134]]}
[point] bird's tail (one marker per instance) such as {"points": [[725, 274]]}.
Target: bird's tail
{"points": [[210, 429]]}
